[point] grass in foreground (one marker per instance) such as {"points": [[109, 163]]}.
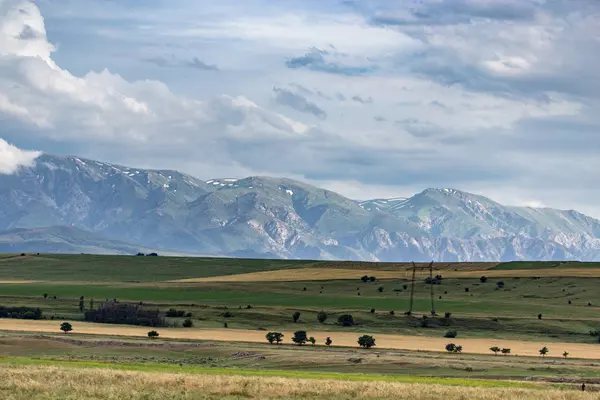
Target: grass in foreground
{"points": [[32, 382]]}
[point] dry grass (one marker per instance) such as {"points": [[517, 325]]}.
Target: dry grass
{"points": [[400, 342], [323, 274], [17, 282], [65, 383]]}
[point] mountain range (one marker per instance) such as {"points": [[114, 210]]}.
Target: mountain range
{"points": [[70, 204]]}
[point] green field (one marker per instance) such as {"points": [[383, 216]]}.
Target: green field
{"points": [[478, 310]]}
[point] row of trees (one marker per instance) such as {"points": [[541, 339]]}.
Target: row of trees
{"points": [[301, 337]]}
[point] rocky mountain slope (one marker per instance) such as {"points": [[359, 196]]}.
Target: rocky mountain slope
{"points": [[278, 217]]}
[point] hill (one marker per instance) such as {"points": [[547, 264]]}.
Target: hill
{"points": [[266, 217]]}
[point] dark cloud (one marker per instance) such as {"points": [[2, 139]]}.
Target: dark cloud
{"points": [[297, 102], [314, 60], [172, 61], [359, 99]]}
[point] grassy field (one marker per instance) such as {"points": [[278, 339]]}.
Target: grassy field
{"points": [[539, 304]]}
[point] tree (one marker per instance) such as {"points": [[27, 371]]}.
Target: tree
{"points": [[322, 317], [364, 278], [372, 279], [458, 349], [312, 340], [539, 316], [380, 289], [372, 311], [500, 284], [328, 341], [447, 315], [188, 323], [91, 304], [392, 312], [505, 351], [153, 334], [366, 341], [45, 295], [495, 349], [299, 337], [81, 304], [483, 279], [296, 316], [451, 334], [450, 347], [467, 289], [346, 320], [543, 351], [274, 337], [66, 327], [566, 354]]}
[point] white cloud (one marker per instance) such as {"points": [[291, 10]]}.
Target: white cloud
{"points": [[12, 158]]}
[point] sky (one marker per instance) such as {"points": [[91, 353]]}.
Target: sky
{"points": [[373, 98]]}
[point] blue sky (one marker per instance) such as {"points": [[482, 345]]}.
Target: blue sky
{"points": [[368, 98]]}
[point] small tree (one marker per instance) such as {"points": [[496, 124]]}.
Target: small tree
{"points": [[450, 347], [66, 327], [153, 334], [543, 351], [296, 316], [299, 337], [495, 350], [45, 295], [483, 279], [566, 354], [364, 278], [274, 337], [447, 315], [91, 304], [467, 289], [380, 289], [458, 349], [366, 341], [188, 323], [451, 334], [81, 304], [372, 311], [312, 340], [322, 317], [346, 320], [328, 341], [372, 279], [505, 351], [539, 316], [500, 284], [392, 312]]}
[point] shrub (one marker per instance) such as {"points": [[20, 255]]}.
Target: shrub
{"points": [[45, 295], [153, 334], [372, 279], [392, 312], [495, 349], [372, 311], [594, 333], [364, 278], [505, 351], [405, 287], [227, 314], [127, 314], [380, 289], [539, 316], [274, 337], [322, 317], [566, 354], [425, 321], [296, 316], [366, 341], [346, 320], [299, 337], [483, 279], [312, 340], [188, 323], [328, 341], [447, 315], [20, 312], [450, 347], [175, 313], [66, 327], [152, 255], [543, 351], [225, 325], [500, 284], [450, 334], [467, 289]]}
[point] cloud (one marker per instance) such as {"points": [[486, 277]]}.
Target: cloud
{"points": [[315, 60], [297, 102], [359, 99], [172, 61], [12, 158]]}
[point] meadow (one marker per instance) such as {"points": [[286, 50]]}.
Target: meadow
{"points": [[233, 303]]}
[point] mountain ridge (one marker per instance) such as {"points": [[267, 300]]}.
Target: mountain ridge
{"points": [[284, 218]]}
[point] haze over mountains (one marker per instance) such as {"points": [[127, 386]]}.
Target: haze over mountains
{"points": [[78, 205]]}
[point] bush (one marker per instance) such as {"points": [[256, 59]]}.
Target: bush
{"points": [[127, 314], [380, 289], [173, 313], [539, 316], [467, 289], [366, 341], [274, 337], [495, 349], [372, 279], [483, 279], [296, 316], [328, 341], [447, 315], [322, 317], [299, 337], [392, 312], [312, 340], [20, 312], [500, 284], [453, 348], [543, 351], [227, 314], [450, 334], [425, 321], [153, 334], [346, 320], [405, 287], [66, 327], [188, 323], [372, 311]]}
